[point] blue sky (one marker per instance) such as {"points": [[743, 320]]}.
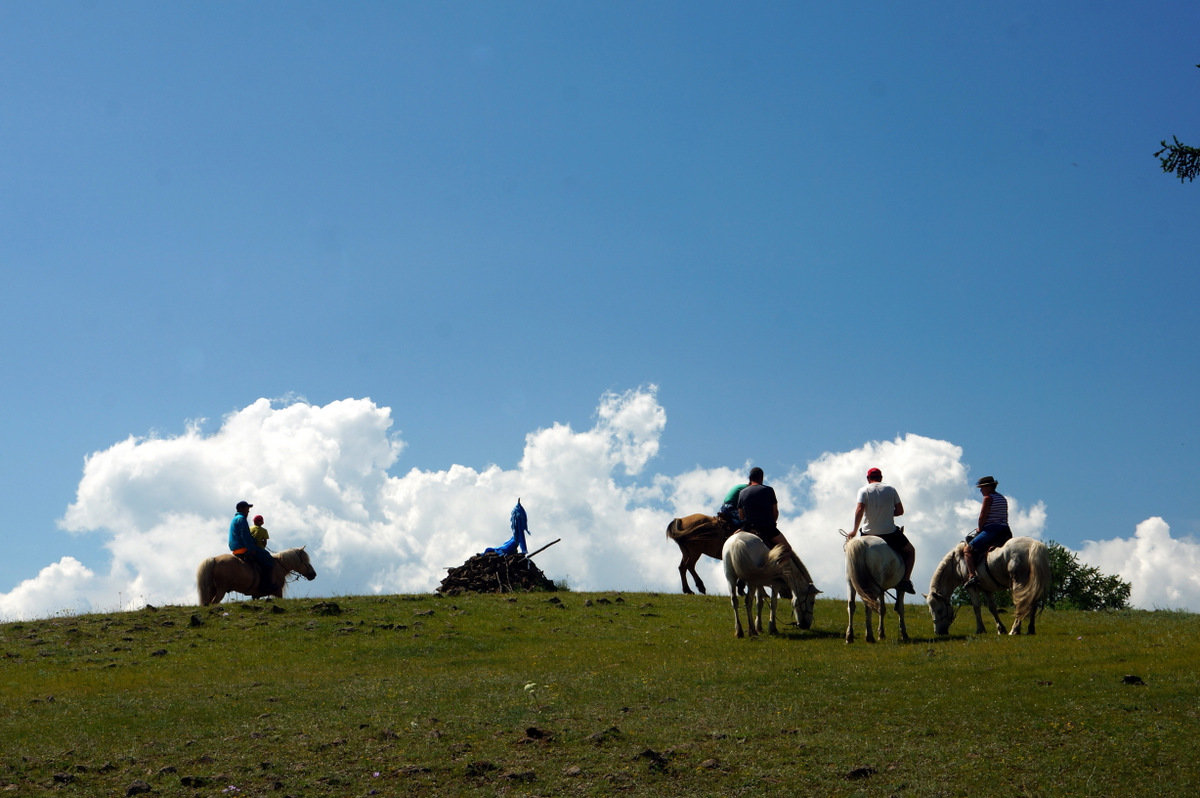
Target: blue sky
{"points": [[789, 234]]}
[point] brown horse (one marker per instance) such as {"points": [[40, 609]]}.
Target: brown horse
{"points": [[217, 576], [698, 535]]}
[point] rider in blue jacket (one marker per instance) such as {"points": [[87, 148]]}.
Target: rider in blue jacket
{"points": [[242, 542]]}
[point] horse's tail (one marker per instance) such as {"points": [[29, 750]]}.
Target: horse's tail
{"points": [[1031, 588], [204, 581], [697, 526], [858, 573]]}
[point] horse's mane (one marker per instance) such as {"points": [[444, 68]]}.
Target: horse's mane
{"points": [[784, 558], [293, 558], [946, 576]]}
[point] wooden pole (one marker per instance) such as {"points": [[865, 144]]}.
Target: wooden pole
{"points": [[543, 548]]}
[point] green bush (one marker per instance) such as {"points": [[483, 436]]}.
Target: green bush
{"points": [[1077, 586]]}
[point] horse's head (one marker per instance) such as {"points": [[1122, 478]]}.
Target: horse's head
{"points": [[950, 573], [802, 606], [804, 592], [942, 611], [297, 560]]}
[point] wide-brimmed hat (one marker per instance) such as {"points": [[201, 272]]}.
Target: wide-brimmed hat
{"points": [[986, 481]]}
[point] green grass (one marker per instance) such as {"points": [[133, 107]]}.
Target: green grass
{"points": [[588, 694]]}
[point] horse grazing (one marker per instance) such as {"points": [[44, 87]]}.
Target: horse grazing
{"points": [[697, 535], [873, 567], [747, 558], [1021, 565], [226, 573]]}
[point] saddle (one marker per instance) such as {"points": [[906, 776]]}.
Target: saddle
{"points": [[984, 566]]}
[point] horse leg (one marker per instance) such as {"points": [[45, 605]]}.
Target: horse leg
{"points": [[991, 603], [979, 628], [751, 601], [882, 612], [684, 565], [696, 576], [737, 617], [771, 623], [900, 615], [687, 565], [850, 613]]}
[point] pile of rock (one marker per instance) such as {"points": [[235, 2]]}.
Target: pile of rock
{"points": [[495, 573]]}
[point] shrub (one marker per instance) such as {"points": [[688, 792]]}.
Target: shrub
{"points": [[1077, 586]]}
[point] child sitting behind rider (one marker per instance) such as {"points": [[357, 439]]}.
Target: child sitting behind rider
{"points": [[259, 532]]}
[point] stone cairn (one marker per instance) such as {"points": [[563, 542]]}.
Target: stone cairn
{"points": [[496, 573]]}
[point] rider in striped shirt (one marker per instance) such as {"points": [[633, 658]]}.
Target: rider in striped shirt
{"points": [[992, 531]]}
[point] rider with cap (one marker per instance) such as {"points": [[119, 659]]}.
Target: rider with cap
{"points": [[877, 505], [241, 541], [993, 530]]}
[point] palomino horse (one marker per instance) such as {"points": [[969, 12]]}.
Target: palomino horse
{"points": [[1021, 565], [746, 558], [872, 567], [223, 574], [697, 535]]}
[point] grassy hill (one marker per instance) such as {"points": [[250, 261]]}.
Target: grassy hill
{"points": [[588, 694]]}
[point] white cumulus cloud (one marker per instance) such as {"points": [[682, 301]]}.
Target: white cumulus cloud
{"points": [[1164, 572], [321, 477]]}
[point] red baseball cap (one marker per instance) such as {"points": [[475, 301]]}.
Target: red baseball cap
{"points": [[874, 472]]}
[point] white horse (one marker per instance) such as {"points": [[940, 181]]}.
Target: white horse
{"points": [[872, 567], [747, 558], [1021, 565]]}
